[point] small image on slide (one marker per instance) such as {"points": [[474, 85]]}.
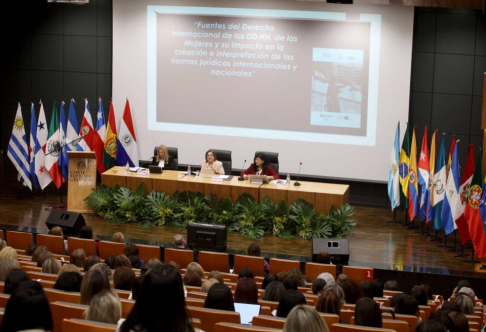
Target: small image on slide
{"points": [[337, 88]]}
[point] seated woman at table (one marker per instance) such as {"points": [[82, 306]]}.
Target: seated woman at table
{"points": [[162, 159], [213, 163], [260, 166]]}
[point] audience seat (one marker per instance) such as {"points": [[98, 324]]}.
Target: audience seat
{"points": [[230, 327], [346, 315], [127, 306], [269, 321], [181, 257], [358, 274], [79, 325], [474, 318], [63, 310], [44, 276], [312, 270], [397, 325], [271, 304], [47, 283], [279, 265], [427, 311], [56, 295], [108, 248], [255, 264], [122, 294], [209, 317], [384, 300], [272, 158], [19, 240], [33, 268], [88, 245], [356, 328], [3, 300], [2, 287], [54, 244], [194, 302], [390, 293], [198, 294], [410, 319], [224, 156], [214, 261], [148, 252], [331, 318]]}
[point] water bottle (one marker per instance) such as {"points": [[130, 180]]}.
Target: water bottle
{"points": [[189, 170], [288, 179], [127, 168]]}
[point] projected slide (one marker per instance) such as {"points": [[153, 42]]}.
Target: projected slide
{"points": [[270, 77]]}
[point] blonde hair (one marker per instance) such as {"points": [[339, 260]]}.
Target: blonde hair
{"points": [[94, 282], [105, 307], [56, 230], [208, 283], [302, 318], [68, 268], [196, 268], [78, 258], [7, 266], [166, 153], [8, 253], [118, 237], [3, 244], [51, 265]]}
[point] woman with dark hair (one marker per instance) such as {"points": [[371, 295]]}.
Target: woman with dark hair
{"points": [[431, 326], [246, 291], [352, 293], [318, 285], [367, 313], [220, 297], [94, 282], [323, 257], [27, 309], [160, 304], [366, 289], [14, 279], [122, 260], [255, 251], [131, 249], [459, 321], [110, 261], [419, 294], [86, 232], [260, 166], [290, 299], [69, 282], [90, 261], [245, 273], [192, 279], [274, 291], [268, 279], [213, 163], [329, 302], [407, 305]]}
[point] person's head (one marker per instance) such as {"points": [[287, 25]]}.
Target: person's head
{"points": [[192, 279], [68, 268], [298, 276], [246, 291], [8, 253], [135, 261], [219, 297], [105, 307], [367, 313], [377, 288], [3, 244], [467, 291], [245, 273], [207, 284], [215, 274], [291, 283], [442, 316], [86, 232], [290, 299], [118, 237], [391, 285], [329, 302], [327, 277], [463, 283], [465, 304], [162, 153], [56, 230], [150, 313], [105, 269], [428, 291], [29, 251], [6, 267], [51, 265], [69, 282], [211, 156], [450, 306], [90, 261], [274, 291], [94, 281], [38, 251], [268, 279], [196, 268], [339, 292], [419, 294], [14, 279], [43, 257], [459, 321], [153, 262], [282, 275], [318, 285], [340, 278], [431, 326], [110, 261], [323, 257], [179, 241], [407, 305], [260, 160], [124, 278], [78, 258], [254, 250], [395, 298], [352, 293], [302, 318], [366, 288], [27, 309], [136, 286], [122, 260], [131, 249]]}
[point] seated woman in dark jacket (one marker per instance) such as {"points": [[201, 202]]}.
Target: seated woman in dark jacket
{"points": [[162, 159]]}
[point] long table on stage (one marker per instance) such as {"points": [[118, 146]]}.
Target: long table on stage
{"points": [[321, 195]]}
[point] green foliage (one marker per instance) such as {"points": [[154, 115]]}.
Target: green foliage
{"points": [[162, 209], [340, 222], [129, 206], [102, 202]]}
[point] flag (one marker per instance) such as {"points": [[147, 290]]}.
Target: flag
{"points": [[404, 168], [86, 132], [72, 130], [127, 150], [413, 199], [99, 138], [472, 212], [439, 185], [461, 199], [18, 151], [63, 158], [452, 190], [430, 188], [53, 147], [393, 177], [109, 152], [33, 142], [424, 176], [40, 149], [451, 151]]}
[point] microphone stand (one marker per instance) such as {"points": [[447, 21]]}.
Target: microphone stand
{"points": [[241, 178], [296, 183]]}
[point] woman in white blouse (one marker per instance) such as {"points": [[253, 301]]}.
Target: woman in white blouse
{"points": [[213, 163]]}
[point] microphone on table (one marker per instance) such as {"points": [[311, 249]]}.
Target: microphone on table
{"points": [[148, 162], [240, 178], [296, 183]]}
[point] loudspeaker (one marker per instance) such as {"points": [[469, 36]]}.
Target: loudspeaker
{"points": [[337, 248], [70, 222]]}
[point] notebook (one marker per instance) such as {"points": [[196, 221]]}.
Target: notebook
{"points": [[247, 312]]}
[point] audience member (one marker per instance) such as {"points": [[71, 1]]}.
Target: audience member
{"points": [[254, 250], [196, 268], [37, 252], [367, 313], [395, 298], [290, 299], [428, 292], [8, 253], [301, 279], [329, 302], [450, 306], [327, 277], [246, 291], [90, 261], [323, 257], [153, 262], [110, 261], [419, 294], [94, 281], [179, 241], [124, 278], [122, 260], [407, 305], [78, 258], [391, 285], [30, 249], [3, 244], [465, 304], [302, 318], [14, 279], [291, 283], [135, 261], [131, 249], [340, 278], [136, 286], [268, 279], [274, 291], [461, 284], [105, 307], [377, 288], [459, 321], [68, 268], [57, 231], [431, 326], [352, 293], [216, 275], [69, 282], [245, 273], [339, 292], [220, 297], [192, 279], [51, 265], [282, 275], [86, 232], [43, 257], [366, 289], [207, 284], [118, 237], [105, 269], [6, 267], [442, 316]]}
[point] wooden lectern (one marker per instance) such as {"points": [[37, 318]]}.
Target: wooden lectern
{"points": [[82, 179]]}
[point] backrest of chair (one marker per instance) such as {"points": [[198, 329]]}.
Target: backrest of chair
{"points": [[63, 310], [474, 318], [410, 319], [255, 264], [346, 315], [39, 275], [78, 325], [209, 317], [272, 158], [19, 240], [127, 306], [108, 248], [427, 311], [214, 261], [56, 295], [384, 300], [194, 302], [148, 252], [356, 328], [358, 274], [3, 300], [391, 293], [197, 294], [397, 325], [54, 243], [271, 304], [268, 321], [312, 270], [279, 265], [88, 245], [181, 257], [331, 318], [224, 156], [47, 283], [230, 327]]}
